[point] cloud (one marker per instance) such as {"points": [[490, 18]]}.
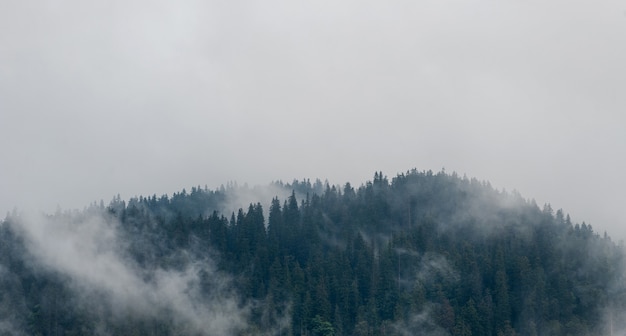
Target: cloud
{"points": [[89, 251], [421, 323]]}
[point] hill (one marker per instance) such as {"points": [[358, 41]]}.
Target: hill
{"points": [[422, 253]]}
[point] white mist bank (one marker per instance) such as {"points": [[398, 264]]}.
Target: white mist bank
{"points": [[89, 251]]}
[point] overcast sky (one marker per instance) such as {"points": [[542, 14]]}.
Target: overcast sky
{"points": [[142, 97]]}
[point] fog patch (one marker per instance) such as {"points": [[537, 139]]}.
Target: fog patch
{"points": [[240, 197], [421, 323], [428, 269], [89, 251], [434, 266]]}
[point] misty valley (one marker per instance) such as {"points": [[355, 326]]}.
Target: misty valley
{"points": [[422, 253]]}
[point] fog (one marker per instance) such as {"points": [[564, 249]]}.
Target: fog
{"points": [[149, 97], [131, 272], [89, 250]]}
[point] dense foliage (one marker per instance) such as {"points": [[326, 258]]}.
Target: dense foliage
{"points": [[424, 253]]}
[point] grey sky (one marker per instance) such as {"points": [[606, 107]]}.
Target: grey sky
{"points": [[139, 97]]}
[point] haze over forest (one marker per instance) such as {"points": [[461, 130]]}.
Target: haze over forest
{"points": [[420, 253], [109, 109]]}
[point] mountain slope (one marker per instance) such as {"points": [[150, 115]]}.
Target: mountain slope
{"points": [[424, 253]]}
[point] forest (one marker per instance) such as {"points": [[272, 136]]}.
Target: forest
{"points": [[422, 253]]}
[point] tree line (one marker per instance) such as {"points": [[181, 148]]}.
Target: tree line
{"points": [[422, 253]]}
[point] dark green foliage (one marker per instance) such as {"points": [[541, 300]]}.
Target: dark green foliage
{"points": [[424, 253], [320, 327]]}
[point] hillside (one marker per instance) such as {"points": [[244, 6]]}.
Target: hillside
{"points": [[423, 253]]}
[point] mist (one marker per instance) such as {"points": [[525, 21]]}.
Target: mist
{"points": [[90, 253], [421, 252], [126, 100]]}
